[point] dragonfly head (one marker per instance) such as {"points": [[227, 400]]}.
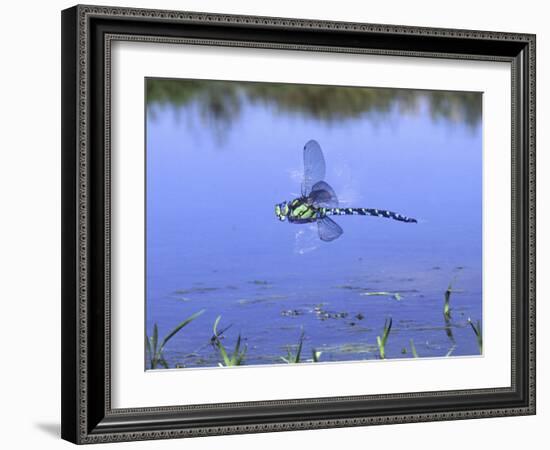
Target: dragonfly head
{"points": [[282, 210]]}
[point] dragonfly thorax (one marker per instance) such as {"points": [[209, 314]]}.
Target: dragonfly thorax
{"points": [[299, 210]]}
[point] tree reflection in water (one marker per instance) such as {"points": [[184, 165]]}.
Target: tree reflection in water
{"points": [[221, 102]]}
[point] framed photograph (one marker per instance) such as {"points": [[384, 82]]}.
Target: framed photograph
{"points": [[280, 224]]}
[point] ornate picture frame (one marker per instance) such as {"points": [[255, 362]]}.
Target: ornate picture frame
{"points": [[88, 33]]}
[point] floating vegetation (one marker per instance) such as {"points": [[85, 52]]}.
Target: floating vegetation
{"points": [[318, 309], [288, 327], [291, 312], [238, 355], [349, 286], [396, 295], [156, 351], [196, 290], [249, 301], [357, 328], [260, 282], [354, 321], [477, 331], [428, 328], [322, 314], [263, 299], [413, 349], [294, 358], [381, 341], [351, 347]]}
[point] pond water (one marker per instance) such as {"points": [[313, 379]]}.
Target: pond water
{"points": [[217, 165]]}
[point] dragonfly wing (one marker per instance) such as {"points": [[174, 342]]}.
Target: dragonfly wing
{"points": [[314, 166], [323, 195], [328, 229]]}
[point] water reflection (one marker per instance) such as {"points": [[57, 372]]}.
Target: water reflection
{"points": [[221, 102]]}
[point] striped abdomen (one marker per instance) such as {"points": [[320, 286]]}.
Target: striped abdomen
{"points": [[365, 212]]}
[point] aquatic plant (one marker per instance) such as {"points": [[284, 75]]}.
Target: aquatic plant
{"points": [[156, 351], [394, 295], [323, 314], [447, 303], [449, 331], [237, 356], [381, 341], [413, 349], [477, 331], [447, 310], [294, 358], [260, 282], [196, 290]]}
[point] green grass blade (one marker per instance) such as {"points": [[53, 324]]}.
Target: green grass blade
{"points": [[380, 347], [155, 338], [223, 353], [477, 331], [149, 350], [387, 331], [413, 349], [384, 339], [235, 355], [242, 355], [178, 328], [215, 328], [300, 345]]}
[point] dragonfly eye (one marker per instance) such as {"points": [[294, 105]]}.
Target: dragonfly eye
{"points": [[278, 212], [281, 211]]}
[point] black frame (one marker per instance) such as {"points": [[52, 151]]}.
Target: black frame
{"points": [[87, 31]]}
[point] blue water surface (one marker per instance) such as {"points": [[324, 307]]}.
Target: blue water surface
{"points": [[214, 243]]}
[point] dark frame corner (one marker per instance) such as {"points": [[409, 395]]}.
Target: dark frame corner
{"points": [[87, 416]]}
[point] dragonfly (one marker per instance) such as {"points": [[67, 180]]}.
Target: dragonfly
{"points": [[318, 200]]}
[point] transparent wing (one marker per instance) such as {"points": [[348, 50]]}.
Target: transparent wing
{"points": [[328, 229], [323, 195], [314, 166]]}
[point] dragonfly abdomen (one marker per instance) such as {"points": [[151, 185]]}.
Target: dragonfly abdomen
{"points": [[365, 212]]}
